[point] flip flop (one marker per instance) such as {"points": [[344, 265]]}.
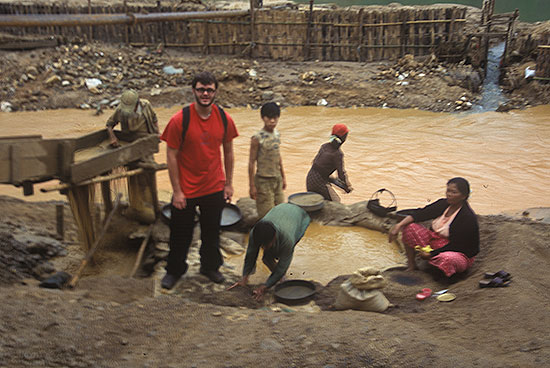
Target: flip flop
{"points": [[425, 293], [502, 274], [426, 249], [494, 282]]}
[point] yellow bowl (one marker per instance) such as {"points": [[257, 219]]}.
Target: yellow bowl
{"points": [[447, 297]]}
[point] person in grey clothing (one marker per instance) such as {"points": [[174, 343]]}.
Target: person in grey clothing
{"points": [[277, 233]]}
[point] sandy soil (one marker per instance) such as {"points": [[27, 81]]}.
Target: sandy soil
{"points": [[110, 319]]}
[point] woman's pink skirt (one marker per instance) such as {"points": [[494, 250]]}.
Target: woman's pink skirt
{"points": [[448, 262]]}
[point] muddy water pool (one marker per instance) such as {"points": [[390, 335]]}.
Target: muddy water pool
{"points": [[412, 153]]}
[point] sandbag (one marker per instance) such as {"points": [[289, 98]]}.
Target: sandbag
{"points": [[367, 278], [349, 297]]}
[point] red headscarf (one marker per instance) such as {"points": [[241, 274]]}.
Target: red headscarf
{"points": [[340, 130]]}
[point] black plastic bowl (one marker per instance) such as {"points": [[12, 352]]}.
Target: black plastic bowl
{"points": [[294, 291], [231, 215]]}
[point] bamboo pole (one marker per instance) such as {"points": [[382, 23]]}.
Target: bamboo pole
{"points": [[129, 19], [141, 251], [79, 200], [200, 44], [60, 220], [100, 179], [94, 247], [70, 20]]}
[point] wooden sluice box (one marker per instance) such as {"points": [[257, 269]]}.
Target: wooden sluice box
{"points": [[27, 160]]}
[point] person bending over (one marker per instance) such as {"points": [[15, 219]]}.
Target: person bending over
{"points": [[277, 233]]}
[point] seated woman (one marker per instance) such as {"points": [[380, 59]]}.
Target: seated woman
{"points": [[454, 232], [330, 158]]}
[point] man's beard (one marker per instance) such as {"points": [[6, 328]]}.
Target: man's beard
{"points": [[197, 100]]}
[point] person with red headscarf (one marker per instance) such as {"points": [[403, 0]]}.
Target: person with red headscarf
{"points": [[329, 159]]}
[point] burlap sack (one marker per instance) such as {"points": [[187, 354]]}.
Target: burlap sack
{"points": [[349, 297], [367, 278]]}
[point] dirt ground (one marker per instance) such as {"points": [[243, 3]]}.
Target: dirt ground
{"points": [[110, 319]]}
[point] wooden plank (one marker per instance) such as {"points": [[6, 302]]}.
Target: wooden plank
{"points": [[20, 138], [35, 160], [134, 151], [65, 151], [92, 139]]}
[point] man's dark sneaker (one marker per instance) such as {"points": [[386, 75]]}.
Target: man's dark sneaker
{"points": [[214, 276], [168, 281]]}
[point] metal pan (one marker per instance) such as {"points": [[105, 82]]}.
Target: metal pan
{"points": [[231, 215], [294, 291], [309, 201]]}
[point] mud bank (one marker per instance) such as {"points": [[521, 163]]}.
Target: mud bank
{"points": [[114, 320]]}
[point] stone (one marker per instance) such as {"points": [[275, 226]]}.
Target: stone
{"points": [[267, 95], [53, 80], [269, 344]]}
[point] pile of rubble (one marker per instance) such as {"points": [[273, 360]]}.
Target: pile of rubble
{"points": [[23, 255]]}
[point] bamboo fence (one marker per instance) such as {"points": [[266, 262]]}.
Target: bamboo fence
{"points": [[354, 34]]}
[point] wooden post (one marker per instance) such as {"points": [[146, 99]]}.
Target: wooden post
{"points": [[106, 194], [403, 32], [252, 28], [126, 27], [489, 15], [509, 33], [60, 220], [206, 39], [452, 25], [90, 29], [141, 251], [370, 35], [141, 198], [161, 25], [308, 32], [360, 31]]}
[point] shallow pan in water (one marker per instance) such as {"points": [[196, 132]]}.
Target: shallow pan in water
{"points": [[294, 291], [309, 201], [231, 215]]}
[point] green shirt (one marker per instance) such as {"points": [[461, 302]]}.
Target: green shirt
{"points": [[290, 223]]}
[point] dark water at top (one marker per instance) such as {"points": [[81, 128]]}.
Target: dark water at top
{"points": [[529, 10]]}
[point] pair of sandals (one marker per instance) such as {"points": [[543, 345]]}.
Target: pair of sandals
{"points": [[496, 279]]}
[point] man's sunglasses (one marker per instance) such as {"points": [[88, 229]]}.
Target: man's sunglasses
{"points": [[207, 90]]}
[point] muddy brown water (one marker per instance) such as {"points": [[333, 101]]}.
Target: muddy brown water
{"points": [[410, 152]]}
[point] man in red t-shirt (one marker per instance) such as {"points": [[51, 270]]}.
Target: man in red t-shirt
{"points": [[198, 180]]}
